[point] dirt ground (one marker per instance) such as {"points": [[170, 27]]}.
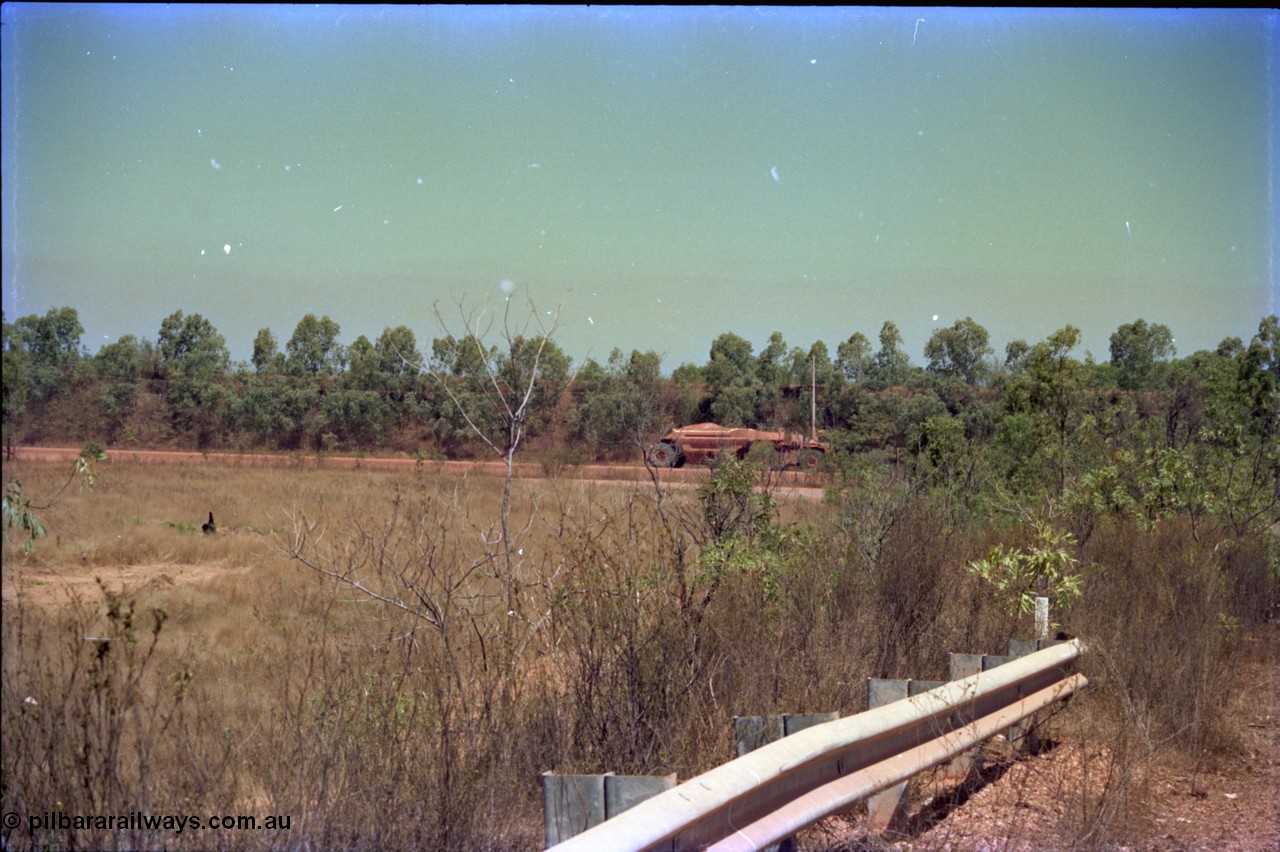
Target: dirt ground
{"points": [[1033, 803], [790, 483], [63, 585]]}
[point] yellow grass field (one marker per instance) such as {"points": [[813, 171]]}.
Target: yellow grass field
{"points": [[257, 652]]}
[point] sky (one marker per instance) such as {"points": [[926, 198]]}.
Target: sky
{"points": [[657, 176]]}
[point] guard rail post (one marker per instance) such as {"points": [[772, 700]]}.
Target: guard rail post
{"points": [[571, 804], [779, 789]]}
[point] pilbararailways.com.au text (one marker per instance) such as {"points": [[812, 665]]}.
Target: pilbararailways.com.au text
{"points": [[138, 821]]}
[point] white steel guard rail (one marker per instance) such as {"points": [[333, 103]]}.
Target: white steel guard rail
{"points": [[778, 789]]}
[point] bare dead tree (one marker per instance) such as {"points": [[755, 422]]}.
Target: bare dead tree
{"points": [[500, 381]]}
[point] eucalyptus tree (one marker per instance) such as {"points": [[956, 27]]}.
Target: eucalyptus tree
{"points": [[536, 362], [119, 365], [853, 358], [1217, 463], [1247, 434], [1137, 349], [813, 376], [961, 351], [14, 374], [891, 362], [690, 393], [733, 381], [52, 339], [314, 349], [1015, 355], [398, 359], [1051, 387], [1260, 376], [620, 404], [360, 410], [363, 366], [644, 409], [266, 352], [771, 374], [193, 363], [50, 352], [190, 345]]}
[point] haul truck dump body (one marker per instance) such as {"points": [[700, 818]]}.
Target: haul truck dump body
{"points": [[703, 442]]}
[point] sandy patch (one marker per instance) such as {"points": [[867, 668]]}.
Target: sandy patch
{"points": [[61, 585]]}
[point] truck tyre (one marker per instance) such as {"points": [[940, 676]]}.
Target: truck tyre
{"points": [[663, 455], [809, 459]]}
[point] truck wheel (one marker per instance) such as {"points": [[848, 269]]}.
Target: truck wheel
{"points": [[663, 455], [809, 459]]}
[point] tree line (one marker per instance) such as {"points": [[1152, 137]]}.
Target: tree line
{"points": [[1039, 416]]}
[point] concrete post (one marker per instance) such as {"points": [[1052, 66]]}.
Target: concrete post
{"points": [[752, 732], [1018, 734], [792, 722], [961, 666], [1042, 618], [573, 803], [887, 809], [623, 792]]}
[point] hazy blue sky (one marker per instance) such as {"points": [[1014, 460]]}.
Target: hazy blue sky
{"points": [[668, 174]]}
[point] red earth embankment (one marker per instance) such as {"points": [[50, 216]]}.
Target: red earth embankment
{"points": [[797, 483]]}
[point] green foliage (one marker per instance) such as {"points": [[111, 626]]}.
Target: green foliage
{"points": [[14, 373], [732, 381], [314, 349], [194, 359], [397, 350], [266, 352], [20, 514], [1051, 388], [891, 362], [731, 508], [1145, 437], [1047, 569], [742, 534], [357, 418], [539, 363], [52, 340], [808, 369], [853, 357], [619, 406], [494, 396], [1015, 355], [120, 366], [1136, 349], [190, 347], [122, 360], [942, 442], [276, 415], [41, 354], [959, 351]]}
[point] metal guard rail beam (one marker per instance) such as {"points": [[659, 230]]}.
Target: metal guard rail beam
{"points": [[778, 789]]}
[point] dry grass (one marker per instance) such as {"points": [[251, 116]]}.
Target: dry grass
{"points": [[237, 681]]}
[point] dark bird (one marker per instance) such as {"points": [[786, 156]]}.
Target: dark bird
{"points": [[209, 527]]}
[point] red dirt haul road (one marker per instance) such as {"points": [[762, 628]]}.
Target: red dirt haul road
{"points": [[790, 483]]}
